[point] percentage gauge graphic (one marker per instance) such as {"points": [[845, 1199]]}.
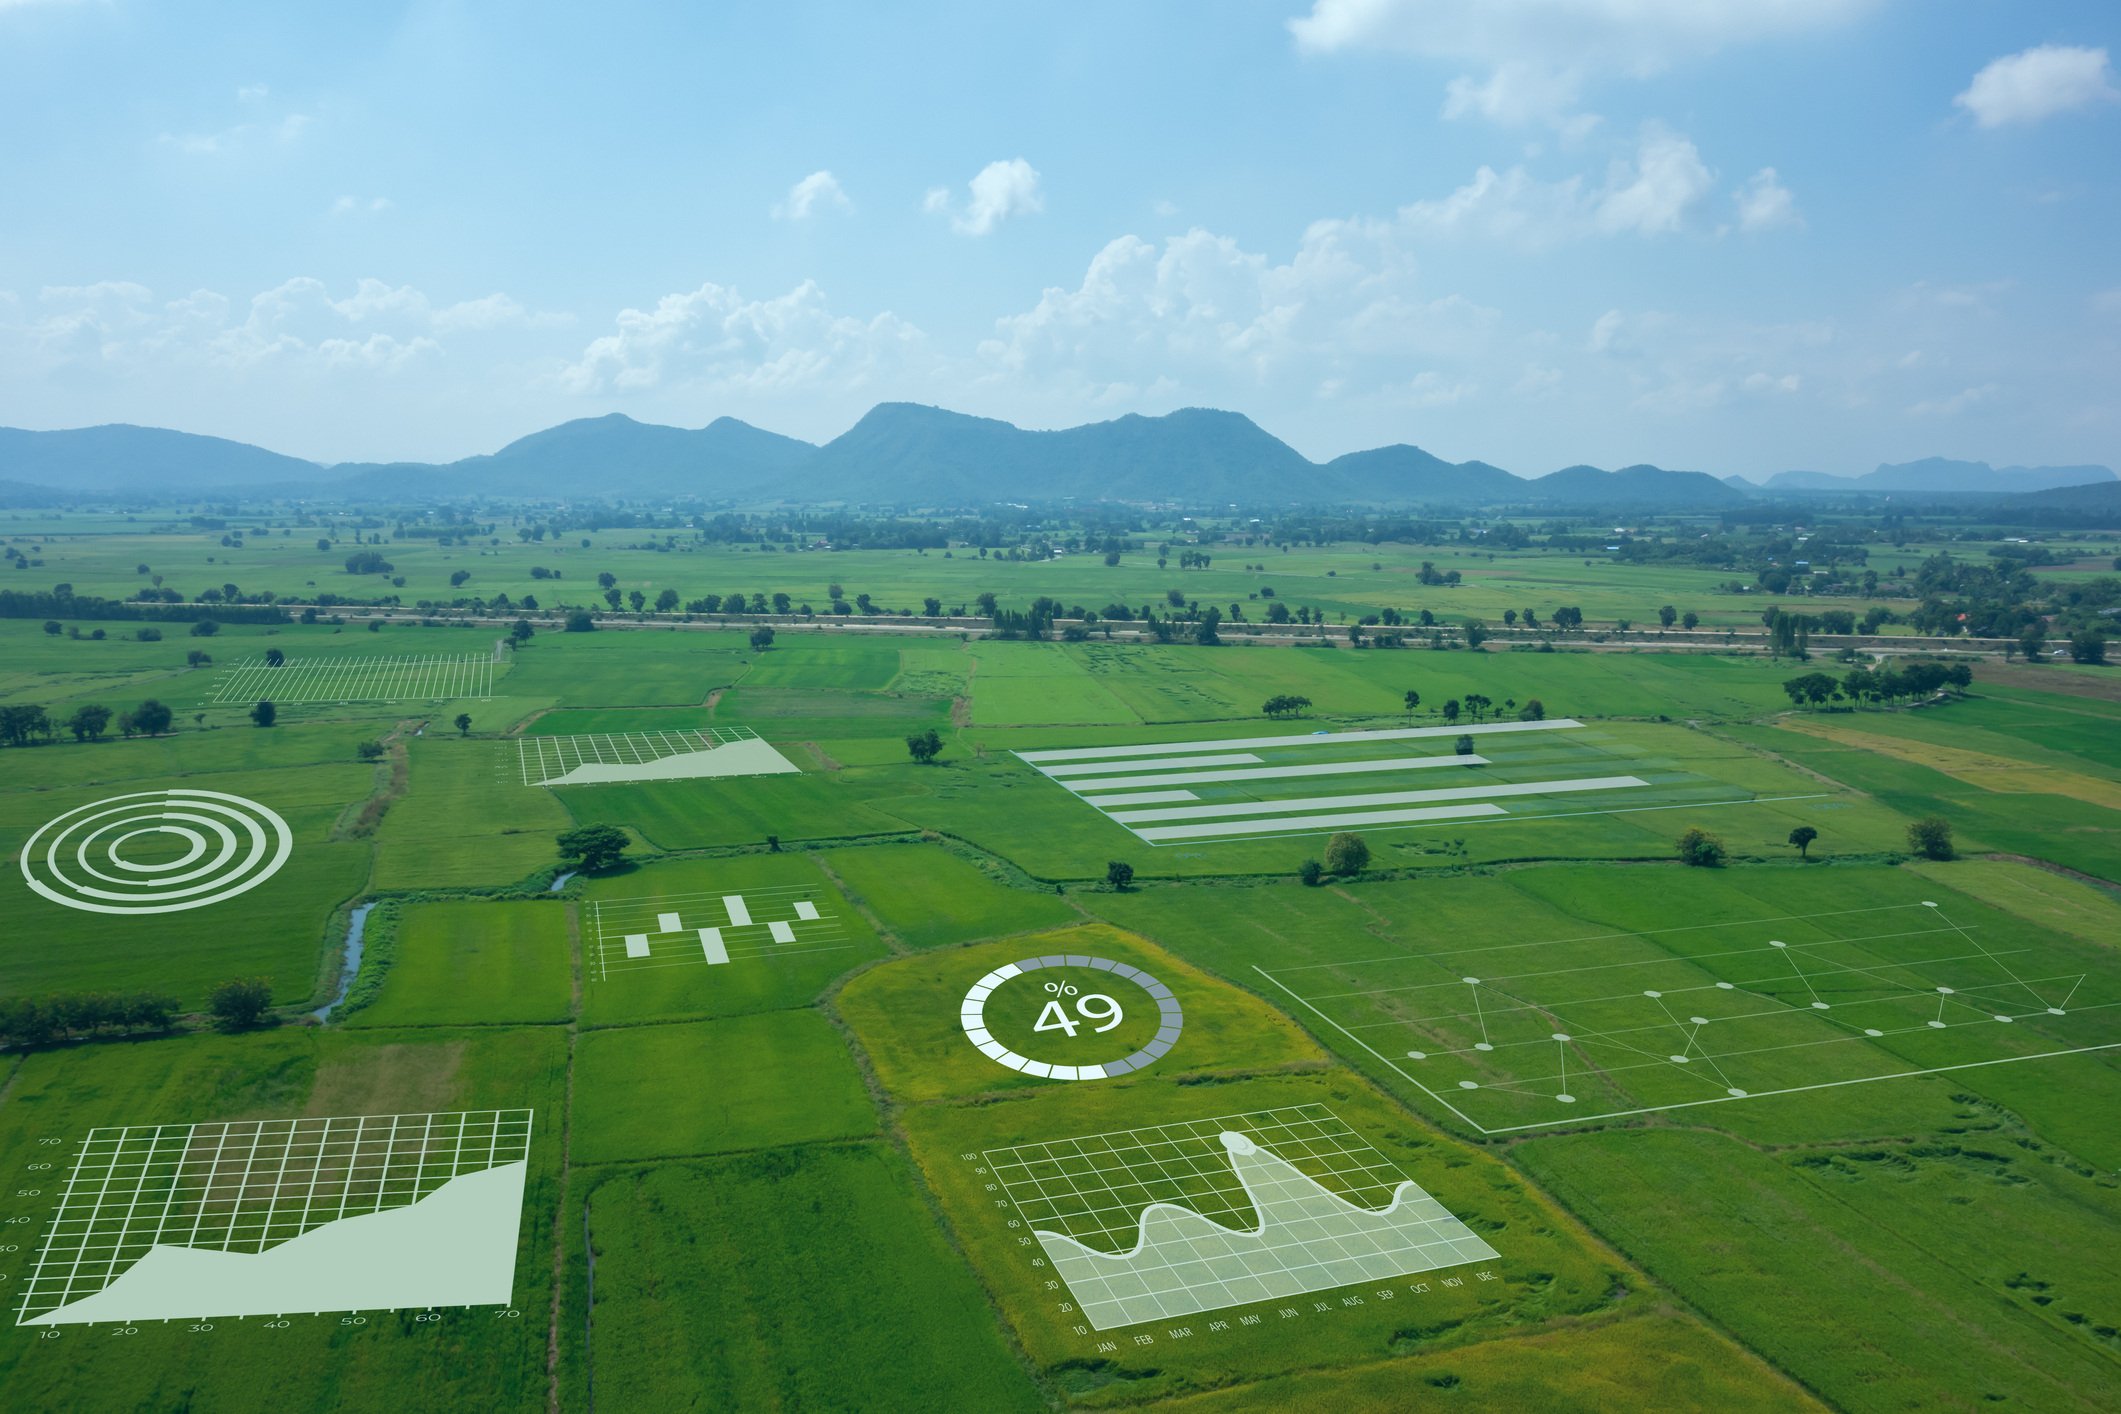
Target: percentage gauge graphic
{"points": [[1170, 1016]]}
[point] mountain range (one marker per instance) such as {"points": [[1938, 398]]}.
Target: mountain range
{"points": [[1942, 474], [910, 455]]}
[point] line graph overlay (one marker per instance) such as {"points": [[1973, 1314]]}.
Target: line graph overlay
{"points": [[393, 678], [713, 928], [1522, 1035], [265, 1217], [1163, 1222]]}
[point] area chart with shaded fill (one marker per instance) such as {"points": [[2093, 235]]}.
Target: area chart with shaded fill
{"points": [[280, 1217], [697, 753], [1161, 1223]]}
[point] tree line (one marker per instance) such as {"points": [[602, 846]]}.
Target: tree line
{"points": [[27, 724]]}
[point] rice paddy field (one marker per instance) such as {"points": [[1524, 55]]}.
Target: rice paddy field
{"points": [[860, 1084]]}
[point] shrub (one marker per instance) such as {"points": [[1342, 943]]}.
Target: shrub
{"points": [[1119, 873], [1701, 849], [1311, 872], [241, 1002]]}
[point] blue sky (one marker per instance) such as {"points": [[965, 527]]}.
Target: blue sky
{"points": [[1791, 234]]}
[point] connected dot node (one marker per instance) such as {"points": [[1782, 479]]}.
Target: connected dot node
{"points": [[1872, 1031], [1482, 1046], [1735, 1093], [1561, 1035], [1468, 1085], [1417, 1055], [1936, 1025], [1566, 1099]]}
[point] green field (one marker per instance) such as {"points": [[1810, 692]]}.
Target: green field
{"points": [[770, 1181]]}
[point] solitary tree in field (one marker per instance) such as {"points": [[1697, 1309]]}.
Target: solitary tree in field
{"points": [[241, 1002], [1412, 699], [1347, 854], [594, 848], [274, 658], [264, 714], [1119, 873], [1802, 837], [1701, 849], [463, 724], [1464, 746], [581, 621], [1931, 837], [521, 631], [762, 638], [925, 746]]}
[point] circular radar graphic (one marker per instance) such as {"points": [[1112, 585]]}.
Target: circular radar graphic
{"points": [[157, 851], [1075, 1010]]}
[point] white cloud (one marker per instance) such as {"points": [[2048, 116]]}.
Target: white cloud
{"points": [[1539, 54], [2038, 83], [714, 339], [1000, 191], [1956, 403], [1651, 193], [1764, 203], [295, 324], [815, 193], [352, 205]]}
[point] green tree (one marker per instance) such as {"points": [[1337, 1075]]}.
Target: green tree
{"points": [[1690, 620], [264, 714], [1931, 837], [1701, 849], [151, 717], [463, 724], [1464, 746], [1347, 854], [240, 1002], [54, 627], [637, 599], [925, 746], [1667, 616], [1476, 633], [1802, 838], [594, 849], [459, 578], [89, 721], [521, 631], [1412, 699], [1533, 711], [274, 658], [370, 751], [666, 601], [581, 621], [2087, 646], [1118, 874], [762, 637], [1450, 710], [205, 628], [1311, 872]]}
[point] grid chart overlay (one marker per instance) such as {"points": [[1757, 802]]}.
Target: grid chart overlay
{"points": [[1522, 1035], [542, 759], [428, 677], [1250, 788], [247, 1186], [679, 930], [1164, 1222]]}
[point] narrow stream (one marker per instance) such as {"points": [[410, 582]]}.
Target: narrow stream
{"points": [[351, 968], [561, 882]]}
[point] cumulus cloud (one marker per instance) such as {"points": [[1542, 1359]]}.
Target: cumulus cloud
{"points": [[1764, 203], [1650, 193], [2038, 83], [297, 323], [715, 339], [1538, 54], [1001, 190], [818, 192]]}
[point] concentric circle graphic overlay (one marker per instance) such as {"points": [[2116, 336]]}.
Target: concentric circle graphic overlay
{"points": [[101, 858], [974, 1016]]}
